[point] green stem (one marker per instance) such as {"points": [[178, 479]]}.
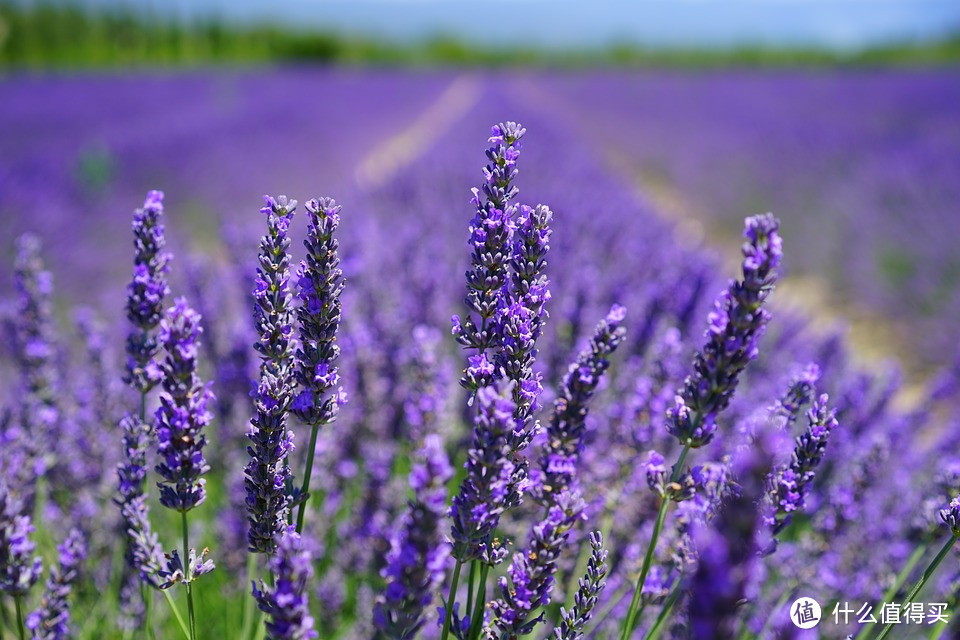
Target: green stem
{"points": [[450, 597], [630, 622], [476, 619], [187, 577], [18, 602], [148, 610], [898, 583], [471, 581], [176, 613], [248, 609], [301, 511], [654, 631], [927, 574], [938, 630]]}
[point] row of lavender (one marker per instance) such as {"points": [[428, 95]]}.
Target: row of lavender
{"points": [[861, 166], [583, 498]]}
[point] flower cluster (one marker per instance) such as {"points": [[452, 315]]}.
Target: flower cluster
{"points": [[790, 483], [523, 319], [267, 474], [529, 579], [568, 423], [285, 603], [50, 621], [485, 491], [591, 585], [737, 322], [951, 516], [144, 553], [491, 231], [319, 283], [417, 559], [146, 293], [183, 412]]}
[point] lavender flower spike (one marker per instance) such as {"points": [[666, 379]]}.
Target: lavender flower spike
{"points": [[485, 490], [267, 475], [417, 558], [737, 322], [50, 621], [144, 553], [591, 585], [522, 322], [790, 483], [319, 284], [529, 579], [286, 603], [146, 293], [18, 571], [491, 231], [183, 412], [568, 423]]}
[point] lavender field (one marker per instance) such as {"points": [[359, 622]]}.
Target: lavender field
{"points": [[592, 398]]}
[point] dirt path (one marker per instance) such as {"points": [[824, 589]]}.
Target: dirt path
{"points": [[398, 151]]}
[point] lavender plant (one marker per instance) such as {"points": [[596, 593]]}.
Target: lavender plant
{"points": [[735, 325], [181, 418], [51, 620], [268, 473], [319, 284]]}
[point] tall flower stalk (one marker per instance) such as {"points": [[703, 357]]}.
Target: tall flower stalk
{"points": [[735, 326], [506, 294], [591, 585], [319, 284], [146, 294], [567, 426], [181, 418], [267, 474]]}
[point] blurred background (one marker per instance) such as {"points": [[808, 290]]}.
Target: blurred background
{"points": [[841, 116]]}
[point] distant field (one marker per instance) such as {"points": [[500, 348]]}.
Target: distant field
{"points": [[862, 166]]}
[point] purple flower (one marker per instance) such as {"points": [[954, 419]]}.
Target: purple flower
{"points": [[491, 233], [529, 579], [50, 621], [286, 604], [790, 483], [18, 571], [485, 492], [417, 559], [144, 553], [146, 292], [591, 585], [183, 413], [735, 325], [951, 516], [568, 423], [319, 284], [267, 474]]}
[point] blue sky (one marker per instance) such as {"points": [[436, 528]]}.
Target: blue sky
{"points": [[579, 23]]}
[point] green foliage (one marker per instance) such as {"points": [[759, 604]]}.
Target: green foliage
{"points": [[63, 35]]}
